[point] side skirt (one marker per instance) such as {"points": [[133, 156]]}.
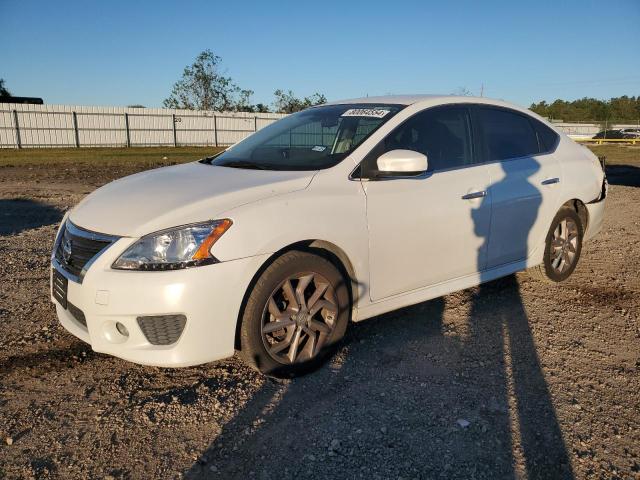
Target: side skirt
{"points": [[444, 288]]}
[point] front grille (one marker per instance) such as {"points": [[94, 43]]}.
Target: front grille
{"points": [[77, 247], [162, 329], [59, 286], [77, 314]]}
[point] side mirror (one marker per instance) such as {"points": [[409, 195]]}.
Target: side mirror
{"points": [[399, 162]]}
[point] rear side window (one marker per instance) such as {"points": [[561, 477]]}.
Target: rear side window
{"points": [[443, 134], [506, 134], [547, 138]]}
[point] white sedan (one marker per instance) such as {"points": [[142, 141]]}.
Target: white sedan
{"points": [[335, 214]]}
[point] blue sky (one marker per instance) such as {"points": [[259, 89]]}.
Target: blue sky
{"points": [[131, 52]]}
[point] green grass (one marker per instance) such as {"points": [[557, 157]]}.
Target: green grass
{"points": [[135, 156], [155, 156], [618, 154]]}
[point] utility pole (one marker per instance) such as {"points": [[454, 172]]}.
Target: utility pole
{"points": [[482, 90]]}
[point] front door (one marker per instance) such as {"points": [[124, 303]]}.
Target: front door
{"points": [[429, 229]]}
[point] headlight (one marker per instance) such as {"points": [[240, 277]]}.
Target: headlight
{"points": [[175, 248]]}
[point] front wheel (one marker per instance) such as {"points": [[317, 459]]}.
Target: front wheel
{"points": [[563, 247], [298, 308]]}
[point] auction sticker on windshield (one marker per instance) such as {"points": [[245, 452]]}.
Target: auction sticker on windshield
{"points": [[365, 112]]}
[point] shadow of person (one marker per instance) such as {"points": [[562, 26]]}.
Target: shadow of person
{"points": [[19, 214], [388, 406], [543, 447], [535, 432], [407, 395]]}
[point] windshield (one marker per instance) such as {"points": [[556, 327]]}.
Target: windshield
{"points": [[313, 139]]}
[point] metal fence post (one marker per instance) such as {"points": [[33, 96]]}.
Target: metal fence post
{"points": [[17, 126], [126, 126], [215, 129], [255, 123], [173, 122], [74, 121]]}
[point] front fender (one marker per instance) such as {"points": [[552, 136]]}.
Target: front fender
{"points": [[328, 210]]}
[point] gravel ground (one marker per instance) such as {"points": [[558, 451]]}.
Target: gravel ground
{"points": [[513, 379]]}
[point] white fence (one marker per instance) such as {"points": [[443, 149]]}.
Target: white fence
{"points": [[35, 126], [587, 130]]}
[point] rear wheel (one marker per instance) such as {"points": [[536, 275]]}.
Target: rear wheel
{"points": [[563, 247], [296, 311]]}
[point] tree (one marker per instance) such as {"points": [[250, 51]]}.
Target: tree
{"points": [[462, 92], [616, 110], [136, 106], [287, 102], [243, 103], [3, 90], [261, 108], [204, 87]]}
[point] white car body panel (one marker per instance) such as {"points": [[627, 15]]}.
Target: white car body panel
{"points": [[396, 249], [178, 195], [312, 212], [209, 296], [522, 204], [439, 220]]}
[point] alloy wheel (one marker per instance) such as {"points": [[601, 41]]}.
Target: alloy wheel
{"points": [[299, 317], [564, 245]]}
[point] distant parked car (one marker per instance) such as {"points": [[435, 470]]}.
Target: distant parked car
{"points": [[25, 100], [631, 132], [610, 134], [334, 214]]}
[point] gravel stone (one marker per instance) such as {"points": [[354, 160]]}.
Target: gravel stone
{"points": [[561, 360]]}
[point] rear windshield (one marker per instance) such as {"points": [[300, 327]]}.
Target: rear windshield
{"points": [[313, 139]]}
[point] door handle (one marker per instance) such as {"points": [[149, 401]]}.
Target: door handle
{"points": [[551, 181], [471, 196]]}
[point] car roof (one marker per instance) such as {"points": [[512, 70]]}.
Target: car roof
{"points": [[391, 99], [428, 100]]}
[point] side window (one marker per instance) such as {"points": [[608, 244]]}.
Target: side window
{"points": [[506, 134], [547, 138], [443, 134]]}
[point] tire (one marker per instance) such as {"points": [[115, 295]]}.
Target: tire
{"points": [[279, 334], [563, 246]]}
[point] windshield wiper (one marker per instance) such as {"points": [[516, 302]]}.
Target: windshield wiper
{"points": [[209, 160], [244, 164]]}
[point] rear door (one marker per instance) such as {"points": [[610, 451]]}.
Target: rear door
{"points": [[525, 183]]}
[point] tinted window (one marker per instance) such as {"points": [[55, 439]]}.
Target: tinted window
{"points": [[547, 138], [506, 134], [443, 134]]}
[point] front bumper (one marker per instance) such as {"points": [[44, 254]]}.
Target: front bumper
{"points": [[209, 296]]}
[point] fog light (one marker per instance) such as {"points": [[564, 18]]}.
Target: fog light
{"points": [[122, 329]]}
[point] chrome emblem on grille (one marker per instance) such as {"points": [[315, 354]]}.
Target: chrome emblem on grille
{"points": [[66, 250]]}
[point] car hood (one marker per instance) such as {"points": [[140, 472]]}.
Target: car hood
{"points": [[167, 197]]}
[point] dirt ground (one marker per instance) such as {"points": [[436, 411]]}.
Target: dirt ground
{"points": [[513, 379]]}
